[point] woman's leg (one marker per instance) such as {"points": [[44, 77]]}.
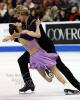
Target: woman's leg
{"points": [[57, 74], [43, 74]]}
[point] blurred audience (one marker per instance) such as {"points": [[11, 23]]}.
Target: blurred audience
{"points": [[46, 10]]}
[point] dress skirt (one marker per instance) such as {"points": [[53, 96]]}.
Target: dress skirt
{"points": [[41, 59]]}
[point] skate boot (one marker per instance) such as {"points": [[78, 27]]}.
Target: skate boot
{"points": [[49, 73], [28, 86]]}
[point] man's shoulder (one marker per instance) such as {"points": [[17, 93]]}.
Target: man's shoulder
{"points": [[31, 20]]}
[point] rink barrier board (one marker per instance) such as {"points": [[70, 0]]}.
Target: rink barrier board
{"points": [[60, 48], [13, 47]]}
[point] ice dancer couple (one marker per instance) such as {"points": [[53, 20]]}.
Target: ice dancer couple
{"points": [[41, 54]]}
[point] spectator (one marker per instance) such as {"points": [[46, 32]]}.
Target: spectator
{"points": [[65, 5], [9, 4], [33, 12], [55, 13], [38, 1], [48, 3], [9, 16], [19, 2], [29, 4], [74, 14], [3, 9], [40, 11], [47, 16], [45, 3], [62, 15]]}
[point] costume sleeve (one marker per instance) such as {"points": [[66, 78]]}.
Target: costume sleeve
{"points": [[32, 26]]}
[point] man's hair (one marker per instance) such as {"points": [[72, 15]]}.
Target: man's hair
{"points": [[18, 8], [22, 10], [25, 11]]}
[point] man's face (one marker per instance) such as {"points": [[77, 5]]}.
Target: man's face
{"points": [[17, 15], [21, 18]]}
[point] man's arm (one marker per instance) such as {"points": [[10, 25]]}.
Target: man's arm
{"points": [[30, 32]]}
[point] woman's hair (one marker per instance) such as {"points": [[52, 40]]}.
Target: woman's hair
{"points": [[12, 28]]}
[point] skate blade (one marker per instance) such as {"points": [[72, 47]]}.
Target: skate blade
{"points": [[71, 92], [26, 92]]}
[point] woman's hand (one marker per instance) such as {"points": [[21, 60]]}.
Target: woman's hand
{"points": [[15, 35], [7, 38], [11, 37]]}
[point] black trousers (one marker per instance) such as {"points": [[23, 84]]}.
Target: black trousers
{"points": [[67, 73], [23, 64]]}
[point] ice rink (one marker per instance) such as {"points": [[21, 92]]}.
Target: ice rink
{"points": [[11, 80]]}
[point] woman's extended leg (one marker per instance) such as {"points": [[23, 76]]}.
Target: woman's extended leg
{"points": [[43, 74], [57, 74]]}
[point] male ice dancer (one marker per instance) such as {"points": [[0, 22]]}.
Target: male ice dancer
{"points": [[47, 45]]}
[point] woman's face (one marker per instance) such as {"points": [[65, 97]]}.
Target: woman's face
{"points": [[18, 25]]}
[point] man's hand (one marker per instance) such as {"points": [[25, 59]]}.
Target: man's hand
{"points": [[38, 22]]}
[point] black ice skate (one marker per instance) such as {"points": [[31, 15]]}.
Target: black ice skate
{"points": [[28, 86], [71, 92]]}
